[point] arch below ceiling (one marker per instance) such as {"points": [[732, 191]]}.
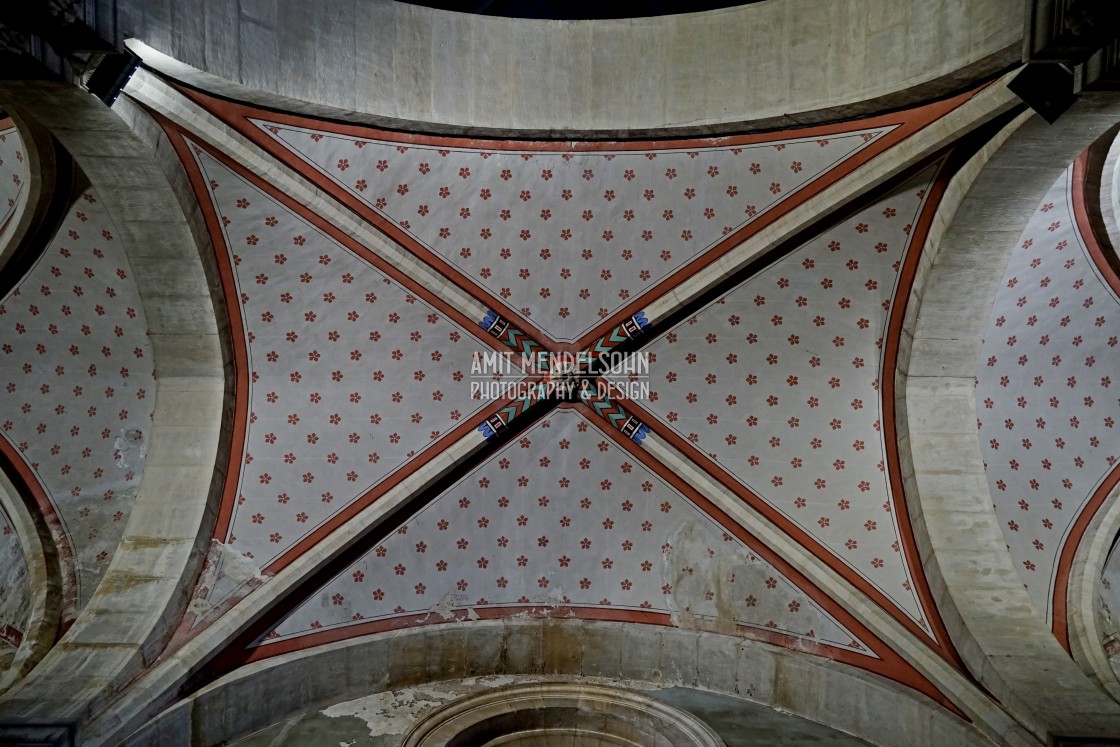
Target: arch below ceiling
{"points": [[1093, 612], [839, 697], [15, 177], [1092, 619], [1110, 191], [737, 721], [1004, 640], [32, 171], [130, 616], [29, 167], [40, 619], [781, 64]]}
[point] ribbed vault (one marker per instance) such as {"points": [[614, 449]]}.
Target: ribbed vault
{"points": [[863, 461]]}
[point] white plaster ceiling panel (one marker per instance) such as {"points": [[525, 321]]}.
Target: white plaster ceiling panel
{"points": [[79, 384], [15, 592], [351, 375], [568, 237], [1044, 398], [778, 383], [14, 173], [564, 518]]}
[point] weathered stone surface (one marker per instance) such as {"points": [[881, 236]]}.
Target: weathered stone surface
{"points": [[762, 61]]}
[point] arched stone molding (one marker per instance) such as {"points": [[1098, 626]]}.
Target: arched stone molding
{"points": [[387, 716], [555, 711], [43, 581], [838, 696], [1087, 635], [142, 596], [39, 551], [1003, 639], [757, 62], [1110, 193]]}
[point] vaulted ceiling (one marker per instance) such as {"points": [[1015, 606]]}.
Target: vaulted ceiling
{"points": [[780, 480]]}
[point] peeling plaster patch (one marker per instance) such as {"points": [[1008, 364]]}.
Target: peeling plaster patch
{"points": [[446, 605], [725, 579], [226, 576], [392, 713], [130, 448]]}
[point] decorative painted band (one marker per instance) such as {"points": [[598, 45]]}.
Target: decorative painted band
{"points": [[616, 415], [628, 330], [500, 420], [508, 334]]}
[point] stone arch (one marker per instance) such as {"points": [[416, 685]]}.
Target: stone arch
{"points": [[540, 76], [132, 613], [1006, 644], [259, 694]]}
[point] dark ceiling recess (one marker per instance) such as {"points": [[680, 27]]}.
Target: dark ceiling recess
{"points": [[1071, 46], [576, 10]]}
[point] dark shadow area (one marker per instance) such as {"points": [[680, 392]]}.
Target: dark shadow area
{"points": [[575, 10]]}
